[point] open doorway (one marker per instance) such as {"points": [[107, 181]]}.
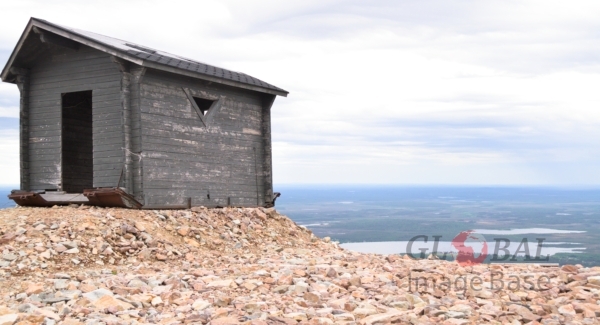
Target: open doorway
{"points": [[77, 152]]}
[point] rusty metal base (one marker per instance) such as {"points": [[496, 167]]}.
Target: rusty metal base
{"points": [[46, 199], [29, 199], [111, 198], [102, 197]]}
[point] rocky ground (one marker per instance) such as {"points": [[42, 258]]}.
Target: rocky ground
{"points": [[82, 265]]}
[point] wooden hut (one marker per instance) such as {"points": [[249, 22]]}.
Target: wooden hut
{"points": [[121, 121]]}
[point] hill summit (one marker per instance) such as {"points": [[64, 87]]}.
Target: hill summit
{"points": [[87, 265]]}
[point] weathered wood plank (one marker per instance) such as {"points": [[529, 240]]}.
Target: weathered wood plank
{"points": [[54, 81], [44, 145], [188, 140], [52, 99], [110, 129], [70, 71], [181, 155], [51, 125], [65, 87], [178, 131], [41, 152], [84, 53], [161, 78], [90, 68]]}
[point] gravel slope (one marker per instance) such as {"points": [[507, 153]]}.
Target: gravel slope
{"points": [[82, 265]]}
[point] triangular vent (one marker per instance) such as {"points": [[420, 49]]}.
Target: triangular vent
{"points": [[204, 107]]}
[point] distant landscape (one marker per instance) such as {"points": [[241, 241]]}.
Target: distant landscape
{"points": [[569, 217], [388, 216], [4, 201]]}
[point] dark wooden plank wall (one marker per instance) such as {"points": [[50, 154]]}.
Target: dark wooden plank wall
{"points": [[69, 71], [23, 84], [182, 158]]}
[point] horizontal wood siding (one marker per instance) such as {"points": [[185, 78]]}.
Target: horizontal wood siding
{"points": [[218, 164], [62, 71]]}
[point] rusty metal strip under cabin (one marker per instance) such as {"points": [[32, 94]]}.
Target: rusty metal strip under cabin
{"points": [[102, 197], [29, 199], [111, 197]]}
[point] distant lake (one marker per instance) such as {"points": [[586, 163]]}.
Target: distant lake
{"points": [[400, 247], [547, 248], [526, 231], [4, 192]]}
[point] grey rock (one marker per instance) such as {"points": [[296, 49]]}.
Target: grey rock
{"points": [[35, 298], [52, 300], [62, 276], [136, 283], [9, 319], [455, 314], [26, 308], [49, 321], [60, 284], [281, 288], [64, 311], [21, 296], [9, 257], [71, 294], [161, 289], [154, 283], [69, 244], [97, 294], [49, 298]]}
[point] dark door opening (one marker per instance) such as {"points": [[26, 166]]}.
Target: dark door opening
{"points": [[77, 152]]}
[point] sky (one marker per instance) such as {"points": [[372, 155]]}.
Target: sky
{"points": [[381, 92]]}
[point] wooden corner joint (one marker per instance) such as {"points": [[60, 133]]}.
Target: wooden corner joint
{"points": [[19, 71], [122, 64], [51, 38]]}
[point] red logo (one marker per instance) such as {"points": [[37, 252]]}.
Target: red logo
{"points": [[472, 248]]}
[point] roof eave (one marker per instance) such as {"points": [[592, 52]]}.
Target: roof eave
{"points": [[66, 34], [13, 55], [167, 68], [118, 53], [86, 41]]}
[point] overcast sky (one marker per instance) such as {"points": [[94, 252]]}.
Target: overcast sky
{"points": [[396, 92]]}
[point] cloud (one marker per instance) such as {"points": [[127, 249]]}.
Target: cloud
{"points": [[9, 164], [9, 100], [386, 91]]}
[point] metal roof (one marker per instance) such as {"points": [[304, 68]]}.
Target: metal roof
{"points": [[149, 57]]}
